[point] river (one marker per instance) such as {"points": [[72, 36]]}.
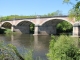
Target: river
{"points": [[39, 44]]}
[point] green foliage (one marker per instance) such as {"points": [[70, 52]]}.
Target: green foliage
{"points": [[66, 1], [32, 28], [75, 11], [64, 27], [12, 17], [77, 6], [10, 52], [28, 56], [56, 13], [8, 31], [63, 49], [6, 52]]}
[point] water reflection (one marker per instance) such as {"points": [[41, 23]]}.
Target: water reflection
{"points": [[39, 44]]}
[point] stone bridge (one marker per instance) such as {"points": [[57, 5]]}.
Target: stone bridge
{"points": [[43, 25]]}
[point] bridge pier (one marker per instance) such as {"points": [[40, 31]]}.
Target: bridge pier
{"points": [[76, 30], [47, 30], [44, 30], [36, 30], [12, 28], [22, 29]]}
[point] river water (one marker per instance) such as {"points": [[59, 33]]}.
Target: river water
{"points": [[39, 44]]}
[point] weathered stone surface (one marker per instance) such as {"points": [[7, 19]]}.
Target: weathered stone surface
{"points": [[43, 25]]}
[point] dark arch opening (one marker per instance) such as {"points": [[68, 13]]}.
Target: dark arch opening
{"points": [[27, 26], [6, 25]]}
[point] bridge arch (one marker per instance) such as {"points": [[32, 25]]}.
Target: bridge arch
{"points": [[23, 22], [49, 26], [6, 25], [59, 20], [24, 27]]}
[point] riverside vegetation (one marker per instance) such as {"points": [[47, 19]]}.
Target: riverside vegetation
{"points": [[60, 48], [64, 48]]}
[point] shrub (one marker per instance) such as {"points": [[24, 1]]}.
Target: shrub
{"points": [[63, 48], [8, 31], [9, 52]]}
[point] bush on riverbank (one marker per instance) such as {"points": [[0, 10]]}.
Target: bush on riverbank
{"points": [[9, 52], [63, 48], [8, 31]]}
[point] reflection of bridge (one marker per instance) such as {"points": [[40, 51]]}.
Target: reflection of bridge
{"points": [[43, 25]]}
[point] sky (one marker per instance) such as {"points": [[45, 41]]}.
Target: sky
{"points": [[32, 7]]}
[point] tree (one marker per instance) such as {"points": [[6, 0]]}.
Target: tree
{"points": [[69, 1], [75, 11], [64, 27], [56, 13]]}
